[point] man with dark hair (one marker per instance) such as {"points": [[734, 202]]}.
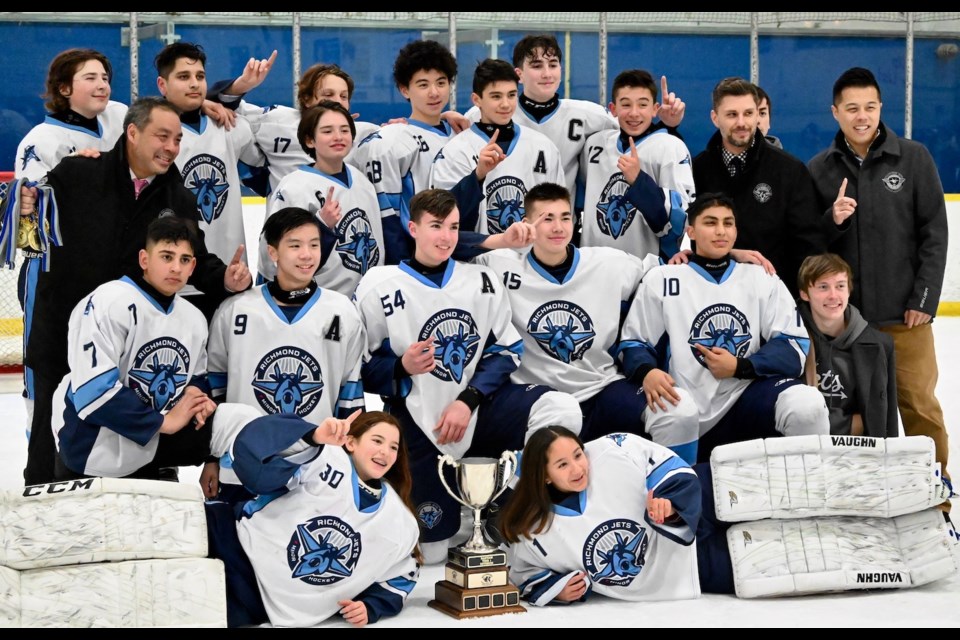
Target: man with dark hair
{"points": [[884, 213], [440, 351], [138, 378], [105, 206], [776, 203]]}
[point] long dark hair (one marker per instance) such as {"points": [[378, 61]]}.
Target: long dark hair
{"points": [[530, 509], [399, 474]]}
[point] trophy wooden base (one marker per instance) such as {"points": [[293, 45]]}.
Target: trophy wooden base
{"points": [[459, 602]]}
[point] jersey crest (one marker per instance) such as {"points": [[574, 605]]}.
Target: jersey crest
{"points": [[206, 177], [618, 438], [615, 552], [562, 329], [456, 341], [614, 212], [159, 372], [429, 514], [356, 243], [504, 203], [323, 551], [30, 153], [288, 380], [720, 325]]}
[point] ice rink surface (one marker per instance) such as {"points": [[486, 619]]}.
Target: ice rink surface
{"points": [[936, 604]]}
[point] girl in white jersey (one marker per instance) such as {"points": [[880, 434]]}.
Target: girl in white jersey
{"points": [[618, 516], [332, 531]]}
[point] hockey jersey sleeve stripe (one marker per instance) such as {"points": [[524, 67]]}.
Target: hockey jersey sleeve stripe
{"points": [[389, 202], [256, 458], [781, 356], [669, 465], [218, 382], [351, 390], [402, 584], [96, 388], [647, 196], [683, 490], [515, 348]]}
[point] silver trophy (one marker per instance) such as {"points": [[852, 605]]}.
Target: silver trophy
{"points": [[477, 576], [480, 481]]}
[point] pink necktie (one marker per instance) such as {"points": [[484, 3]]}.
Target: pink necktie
{"points": [[139, 184]]}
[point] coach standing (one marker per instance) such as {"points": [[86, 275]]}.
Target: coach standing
{"points": [[105, 205], [884, 213]]}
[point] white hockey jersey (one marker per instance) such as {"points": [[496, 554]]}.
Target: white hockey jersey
{"points": [[570, 329], [359, 236], [130, 361], [532, 159], [208, 164], [611, 218], [275, 132], [308, 366], [749, 313], [568, 127], [397, 159], [608, 535], [321, 542], [468, 317], [51, 141]]}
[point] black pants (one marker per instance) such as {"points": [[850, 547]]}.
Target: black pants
{"points": [[41, 450]]}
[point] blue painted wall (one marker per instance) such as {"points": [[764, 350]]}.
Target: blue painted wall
{"points": [[798, 72]]}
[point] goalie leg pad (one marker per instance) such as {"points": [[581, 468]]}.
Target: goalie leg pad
{"points": [[797, 557], [809, 476], [142, 593], [100, 519]]}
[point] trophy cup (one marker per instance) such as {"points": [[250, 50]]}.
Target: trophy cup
{"points": [[476, 572]]}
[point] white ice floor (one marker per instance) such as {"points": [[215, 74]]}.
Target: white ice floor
{"points": [[937, 604]]}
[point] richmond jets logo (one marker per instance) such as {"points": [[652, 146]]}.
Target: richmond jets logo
{"points": [[206, 177], [615, 552], [159, 372], [614, 211], [429, 514], [562, 329], [288, 380], [323, 551], [455, 340], [721, 325], [504, 203], [356, 244], [894, 181]]}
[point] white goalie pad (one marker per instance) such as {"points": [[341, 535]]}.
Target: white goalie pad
{"points": [[809, 476], [100, 519], [187, 592], [797, 557]]}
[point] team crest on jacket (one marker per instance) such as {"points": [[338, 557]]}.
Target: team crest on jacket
{"points": [[429, 514], [720, 325], [504, 203], [206, 177], [159, 372], [323, 551], [614, 211], [562, 329], [30, 153], [288, 380], [763, 192], [894, 181], [614, 553], [356, 244], [455, 340]]}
